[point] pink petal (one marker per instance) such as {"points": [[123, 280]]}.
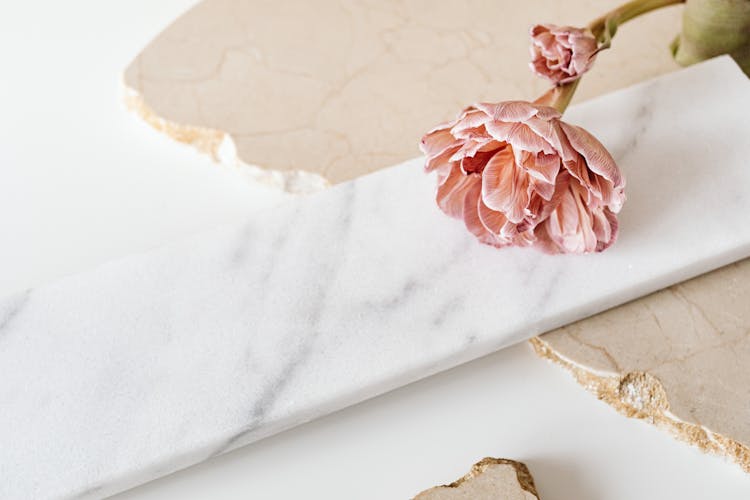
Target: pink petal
{"points": [[547, 126], [435, 143], [504, 186], [562, 185], [579, 170], [509, 111], [544, 241], [543, 167], [492, 220], [491, 146], [538, 29], [520, 136], [472, 202], [476, 163], [597, 157], [451, 194], [613, 230], [566, 227], [545, 41], [471, 147], [440, 160], [544, 189], [525, 239], [600, 225], [443, 172], [472, 119], [582, 61], [469, 210], [477, 134]]}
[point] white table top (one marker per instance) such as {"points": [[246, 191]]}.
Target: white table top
{"points": [[82, 181]]}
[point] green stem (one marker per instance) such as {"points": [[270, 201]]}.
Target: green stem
{"points": [[561, 96], [604, 27]]}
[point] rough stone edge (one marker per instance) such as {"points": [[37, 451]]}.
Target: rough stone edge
{"points": [[525, 479], [219, 146], [641, 395]]}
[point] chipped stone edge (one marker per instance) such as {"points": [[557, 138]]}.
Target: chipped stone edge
{"points": [[525, 479], [641, 395], [220, 147]]}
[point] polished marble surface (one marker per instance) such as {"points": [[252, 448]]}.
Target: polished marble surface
{"points": [[158, 361]]}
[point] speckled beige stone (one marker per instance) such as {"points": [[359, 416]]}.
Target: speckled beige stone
{"points": [[678, 358], [307, 93], [489, 479]]}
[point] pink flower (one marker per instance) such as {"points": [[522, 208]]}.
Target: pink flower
{"points": [[561, 53], [518, 175]]}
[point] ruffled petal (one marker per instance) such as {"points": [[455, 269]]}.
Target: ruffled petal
{"points": [[538, 29], [520, 136], [505, 186], [470, 148], [440, 160], [473, 223], [571, 225], [597, 157], [509, 111], [611, 235], [543, 189], [473, 118], [470, 212], [600, 225], [435, 143], [544, 241], [475, 164], [543, 167], [492, 220], [451, 194]]}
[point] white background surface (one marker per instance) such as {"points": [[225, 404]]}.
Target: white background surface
{"points": [[83, 181]]}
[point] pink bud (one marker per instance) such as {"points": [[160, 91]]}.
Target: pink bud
{"points": [[561, 53]]}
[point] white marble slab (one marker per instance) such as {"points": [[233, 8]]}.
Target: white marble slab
{"points": [[155, 362]]}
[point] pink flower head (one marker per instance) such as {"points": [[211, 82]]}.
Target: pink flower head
{"points": [[561, 53], [518, 175]]}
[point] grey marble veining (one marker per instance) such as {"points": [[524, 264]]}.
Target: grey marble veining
{"points": [[158, 361]]}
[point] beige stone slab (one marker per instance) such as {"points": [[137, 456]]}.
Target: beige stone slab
{"points": [[488, 479], [306, 93], [678, 358]]}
